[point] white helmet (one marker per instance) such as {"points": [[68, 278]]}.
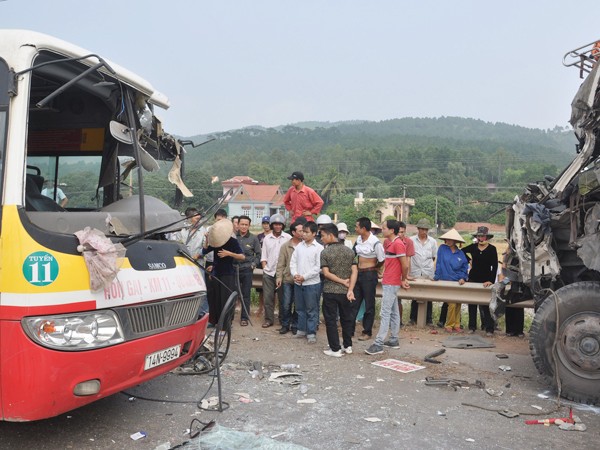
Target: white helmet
{"points": [[323, 219], [277, 218]]}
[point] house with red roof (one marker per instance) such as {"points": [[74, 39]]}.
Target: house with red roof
{"points": [[253, 199]]}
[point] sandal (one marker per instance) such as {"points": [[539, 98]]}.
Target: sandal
{"points": [[243, 323], [267, 324]]}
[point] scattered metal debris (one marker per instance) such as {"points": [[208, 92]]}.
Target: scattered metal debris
{"points": [[289, 378], [508, 413], [494, 393], [453, 383], [430, 356]]}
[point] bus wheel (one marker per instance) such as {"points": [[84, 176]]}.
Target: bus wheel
{"points": [[572, 352]]}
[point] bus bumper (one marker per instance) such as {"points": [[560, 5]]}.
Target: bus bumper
{"points": [[38, 382]]}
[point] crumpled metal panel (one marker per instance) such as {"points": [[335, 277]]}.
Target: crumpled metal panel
{"points": [[589, 250], [546, 261]]}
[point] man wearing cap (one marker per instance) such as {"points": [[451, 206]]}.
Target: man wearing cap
{"points": [[343, 234], [422, 264], [484, 266], [266, 226], [301, 200], [269, 256]]}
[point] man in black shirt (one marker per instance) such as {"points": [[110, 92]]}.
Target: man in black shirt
{"points": [[340, 272]]}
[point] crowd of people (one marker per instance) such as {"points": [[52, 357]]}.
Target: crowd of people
{"points": [[316, 260]]}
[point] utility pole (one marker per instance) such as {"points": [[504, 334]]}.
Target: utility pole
{"points": [[436, 217], [403, 202]]}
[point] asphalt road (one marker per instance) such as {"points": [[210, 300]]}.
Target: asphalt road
{"points": [[345, 391]]}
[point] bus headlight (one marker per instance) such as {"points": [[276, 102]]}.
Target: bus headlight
{"points": [[75, 332]]}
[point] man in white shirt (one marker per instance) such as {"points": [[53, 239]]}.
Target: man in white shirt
{"points": [[422, 264], [305, 267], [269, 256], [57, 195], [370, 253]]}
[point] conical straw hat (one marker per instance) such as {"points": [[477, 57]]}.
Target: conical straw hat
{"points": [[220, 232], [452, 234]]}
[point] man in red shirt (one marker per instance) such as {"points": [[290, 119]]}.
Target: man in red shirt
{"points": [[410, 252], [301, 200], [394, 277]]}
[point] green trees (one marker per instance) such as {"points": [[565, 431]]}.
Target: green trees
{"points": [[432, 206]]}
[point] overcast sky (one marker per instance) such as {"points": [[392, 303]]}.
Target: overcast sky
{"points": [[229, 64]]}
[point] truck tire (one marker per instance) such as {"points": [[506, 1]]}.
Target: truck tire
{"points": [[577, 354]]}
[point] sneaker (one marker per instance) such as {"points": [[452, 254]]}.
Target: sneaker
{"points": [[347, 350], [283, 330], [374, 349], [300, 334], [471, 331], [391, 344], [312, 339], [294, 330], [337, 354], [364, 337]]}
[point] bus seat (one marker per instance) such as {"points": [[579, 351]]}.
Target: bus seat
{"points": [[34, 200]]}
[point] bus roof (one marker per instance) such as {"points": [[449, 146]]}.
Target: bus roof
{"points": [[11, 42]]}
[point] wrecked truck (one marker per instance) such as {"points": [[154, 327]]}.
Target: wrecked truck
{"points": [[553, 254]]}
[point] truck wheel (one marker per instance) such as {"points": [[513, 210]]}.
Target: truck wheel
{"points": [[577, 354]]}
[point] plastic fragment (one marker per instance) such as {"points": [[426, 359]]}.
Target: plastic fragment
{"points": [[307, 400], [372, 419], [505, 368], [289, 366], [137, 436]]}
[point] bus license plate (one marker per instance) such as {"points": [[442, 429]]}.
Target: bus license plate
{"points": [[162, 357]]}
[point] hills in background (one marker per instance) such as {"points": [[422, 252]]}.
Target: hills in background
{"points": [[455, 158]]}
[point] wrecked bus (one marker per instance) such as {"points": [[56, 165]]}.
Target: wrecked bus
{"points": [[93, 298], [553, 232]]}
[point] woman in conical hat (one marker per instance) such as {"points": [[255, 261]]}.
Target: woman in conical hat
{"points": [[452, 265], [226, 248]]}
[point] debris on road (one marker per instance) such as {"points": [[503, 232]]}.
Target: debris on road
{"points": [[465, 342], [398, 366], [494, 393], [508, 413], [372, 419], [307, 401], [288, 378], [453, 383], [505, 368], [430, 356], [137, 436]]}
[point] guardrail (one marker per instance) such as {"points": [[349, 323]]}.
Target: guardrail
{"points": [[437, 291]]}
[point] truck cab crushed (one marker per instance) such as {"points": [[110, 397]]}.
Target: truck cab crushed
{"points": [[553, 252]]}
